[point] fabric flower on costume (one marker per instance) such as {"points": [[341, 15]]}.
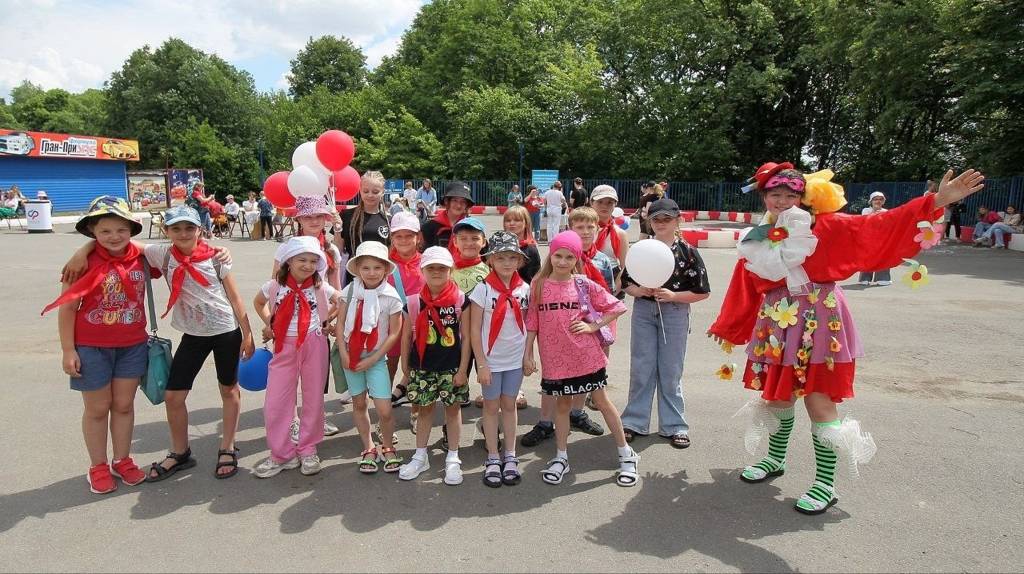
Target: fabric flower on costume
{"points": [[929, 235], [811, 325], [777, 234], [727, 347], [830, 300], [800, 373], [761, 333], [799, 393], [812, 297], [830, 363], [802, 354], [759, 350], [834, 324], [755, 384], [785, 313], [725, 371], [918, 275], [835, 346], [774, 347]]}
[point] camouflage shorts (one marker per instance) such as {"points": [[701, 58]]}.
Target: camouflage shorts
{"points": [[428, 387]]}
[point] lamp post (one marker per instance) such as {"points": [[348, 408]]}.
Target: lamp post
{"points": [[522, 149]]}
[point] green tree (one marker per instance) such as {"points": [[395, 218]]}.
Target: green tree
{"points": [[401, 146], [335, 63], [486, 127], [226, 169]]}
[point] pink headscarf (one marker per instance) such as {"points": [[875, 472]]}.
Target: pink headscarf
{"points": [[567, 240]]}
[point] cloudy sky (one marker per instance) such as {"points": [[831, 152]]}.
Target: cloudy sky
{"points": [[76, 45]]}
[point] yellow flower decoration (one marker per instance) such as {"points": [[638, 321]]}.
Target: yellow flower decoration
{"points": [[776, 352], [761, 333], [728, 347], [821, 195], [835, 346], [811, 325], [758, 350], [812, 297], [830, 300], [785, 313], [802, 354], [800, 373], [799, 393], [835, 324], [755, 384], [918, 275], [725, 371]]}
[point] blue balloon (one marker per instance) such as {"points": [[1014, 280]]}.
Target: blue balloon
{"points": [[252, 374], [625, 224]]}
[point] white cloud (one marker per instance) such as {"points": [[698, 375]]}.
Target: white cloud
{"points": [[77, 44]]}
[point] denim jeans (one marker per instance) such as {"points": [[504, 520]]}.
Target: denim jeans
{"points": [[657, 365], [535, 222], [869, 276], [996, 231], [979, 229]]}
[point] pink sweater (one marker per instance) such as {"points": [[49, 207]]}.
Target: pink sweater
{"points": [[564, 354]]}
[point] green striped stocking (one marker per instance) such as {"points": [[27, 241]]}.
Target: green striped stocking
{"points": [[822, 493], [775, 463]]}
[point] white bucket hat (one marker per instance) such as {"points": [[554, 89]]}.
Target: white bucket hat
{"points": [[437, 255], [302, 244], [370, 249]]}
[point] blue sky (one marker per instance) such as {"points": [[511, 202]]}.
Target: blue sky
{"points": [[77, 45]]}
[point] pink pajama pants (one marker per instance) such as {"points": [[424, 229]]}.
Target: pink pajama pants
{"points": [[308, 363]]}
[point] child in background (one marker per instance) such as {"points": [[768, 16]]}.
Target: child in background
{"points": [[603, 270], [435, 360], [370, 324], [294, 308], [499, 340], [611, 240], [572, 359], [470, 239], [656, 356], [440, 230], [405, 254], [876, 200], [102, 326], [516, 221]]}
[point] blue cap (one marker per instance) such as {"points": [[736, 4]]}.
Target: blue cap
{"points": [[469, 222], [182, 213]]}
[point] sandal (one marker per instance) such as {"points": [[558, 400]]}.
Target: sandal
{"points": [[392, 462], [368, 465], [679, 440], [510, 474], [181, 462], [399, 396], [233, 463], [627, 474], [492, 473], [557, 468]]}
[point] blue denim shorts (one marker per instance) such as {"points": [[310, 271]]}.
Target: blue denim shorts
{"points": [[101, 364], [503, 383], [374, 380]]}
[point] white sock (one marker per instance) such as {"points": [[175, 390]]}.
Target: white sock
{"points": [[625, 450], [452, 454], [421, 453], [563, 454], [511, 453]]}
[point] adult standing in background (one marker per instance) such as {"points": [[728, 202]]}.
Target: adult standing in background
{"points": [[266, 210], [457, 201], [411, 194], [515, 197], [876, 201], [201, 203], [954, 211], [428, 196], [579, 196], [534, 203], [554, 206], [650, 195]]}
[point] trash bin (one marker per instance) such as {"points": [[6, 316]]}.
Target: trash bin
{"points": [[38, 214]]}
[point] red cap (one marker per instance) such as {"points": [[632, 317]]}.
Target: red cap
{"points": [[766, 171]]}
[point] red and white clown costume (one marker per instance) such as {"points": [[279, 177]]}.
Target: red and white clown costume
{"points": [[785, 305]]}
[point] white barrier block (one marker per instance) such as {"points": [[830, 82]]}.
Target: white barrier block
{"points": [[721, 238], [1016, 242]]}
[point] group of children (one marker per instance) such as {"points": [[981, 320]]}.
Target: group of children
{"points": [[465, 302]]}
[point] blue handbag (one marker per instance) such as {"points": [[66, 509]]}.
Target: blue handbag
{"points": [[154, 383]]}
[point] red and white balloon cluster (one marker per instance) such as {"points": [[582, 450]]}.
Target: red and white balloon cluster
{"points": [[317, 169]]}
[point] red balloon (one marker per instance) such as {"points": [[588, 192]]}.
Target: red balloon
{"points": [[335, 149], [346, 183], [276, 190]]}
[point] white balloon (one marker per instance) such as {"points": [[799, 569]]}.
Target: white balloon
{"points": [[303, 181], [617, 212], [305, 155], [650, 263]]}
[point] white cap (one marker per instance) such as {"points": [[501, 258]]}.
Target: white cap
{"points": [[298, 245], [437, 256], [875, 194], [404, 220], [603, 191], [374, 249]]}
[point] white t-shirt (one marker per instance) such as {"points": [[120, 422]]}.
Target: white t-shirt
{"points": [[310, 293], [388, 307], [553, 198], [507, 354], [868, 211], [231, 208], [199, 311]]}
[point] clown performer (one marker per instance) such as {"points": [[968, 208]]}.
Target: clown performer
{"points": [[785, 305]]}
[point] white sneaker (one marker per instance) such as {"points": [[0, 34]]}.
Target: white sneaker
{"points": [[414, 468], [268, 468], [884, 283], [864, 283], [453, 471], [329, 428], [310, 465], [293, 432]]}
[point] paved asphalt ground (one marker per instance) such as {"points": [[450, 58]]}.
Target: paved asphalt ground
{"points": [[941, 390]]}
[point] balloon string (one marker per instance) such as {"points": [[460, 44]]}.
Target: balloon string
{"points": [[661, 320]]}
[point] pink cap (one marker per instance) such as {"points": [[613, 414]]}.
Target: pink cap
{"points": [[567, 240], [404, 220]]}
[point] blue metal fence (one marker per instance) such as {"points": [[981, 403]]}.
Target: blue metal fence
{"points": [[726, 196]]}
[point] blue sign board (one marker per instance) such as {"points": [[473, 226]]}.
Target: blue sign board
{"points": [[544, 178]]}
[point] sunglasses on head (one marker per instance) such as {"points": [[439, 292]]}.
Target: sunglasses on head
{"points": [[794, 183]]}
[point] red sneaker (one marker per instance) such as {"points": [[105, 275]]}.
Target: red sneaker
{"points": [[100, 479], [127, 471]]}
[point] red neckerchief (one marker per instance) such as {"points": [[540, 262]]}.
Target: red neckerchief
{"points": [[461, 262], [591, 270], [429, 306], [358, 340], [406, 267], [94, 276], [202, 252], [331, 264], [523, 243], [608, 230], [505, 300], [442, 219], [286, 309]]}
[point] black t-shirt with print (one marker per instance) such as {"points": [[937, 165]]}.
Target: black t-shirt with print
{"points": [[375, 228], [688, 274], [444, 346]]}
